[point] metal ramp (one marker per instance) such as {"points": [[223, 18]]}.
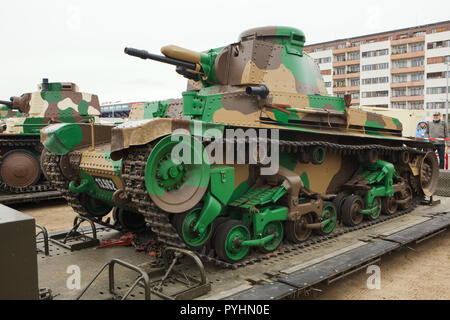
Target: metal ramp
{"points": [[346, 263]]}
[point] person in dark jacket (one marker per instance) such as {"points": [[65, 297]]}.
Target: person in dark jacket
{"points": [[438, 131]]}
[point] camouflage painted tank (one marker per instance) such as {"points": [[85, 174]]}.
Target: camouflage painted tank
{"points": [[254, 156], [22, 119]]}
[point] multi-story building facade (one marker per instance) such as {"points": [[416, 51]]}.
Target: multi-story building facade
{"points": [[402, 69]]}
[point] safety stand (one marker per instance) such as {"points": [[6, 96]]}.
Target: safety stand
{"points": [[430, 202], [194, 288], [75, 240], [142, 278], [45, 239]]}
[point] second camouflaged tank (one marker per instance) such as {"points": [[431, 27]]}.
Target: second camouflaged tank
{"points": [[21, 121], [254, 156]]}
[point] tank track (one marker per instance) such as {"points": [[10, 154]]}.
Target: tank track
{"points": [[133, 176], [19, 142], [51, 168]]}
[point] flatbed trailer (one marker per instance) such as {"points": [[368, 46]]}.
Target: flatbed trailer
{"points": [[14, 198], [283, 275]]}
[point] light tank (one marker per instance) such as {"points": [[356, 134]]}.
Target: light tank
{"points": [[175, 164], [21, 121]]}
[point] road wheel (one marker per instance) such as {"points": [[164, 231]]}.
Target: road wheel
{"points": [[389, 205], [276, 228], [376, 203], [329, 216], [229, 237], [351, 210], [296, 231]]}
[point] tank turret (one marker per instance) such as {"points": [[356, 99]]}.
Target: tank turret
{"points": [[23, 117]]}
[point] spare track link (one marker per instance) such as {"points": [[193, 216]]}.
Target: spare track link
{"points": [[19, 142], [134, 173]]}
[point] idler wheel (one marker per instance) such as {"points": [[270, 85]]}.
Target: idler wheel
{"points": [[177, 186], [429, 173], [20, 168]]}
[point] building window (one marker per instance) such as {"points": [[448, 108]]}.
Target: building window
{"points": [[436, 90], [354, 82], [400, 49], [398, 78], [435, 105], [417, 62], [355, 95], [340, 70], [397, 64], [353, 56], [399, 105], [416, 105], [375, 80], [353, 68], [416, 91], [327, 84], [374, 94], [323, 60], [376, 53], [399, 92], [379, 66], [415, 47], [419, 34], [418, 76], [340, 58]]}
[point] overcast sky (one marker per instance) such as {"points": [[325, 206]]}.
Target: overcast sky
{"points": [[83, 41]]}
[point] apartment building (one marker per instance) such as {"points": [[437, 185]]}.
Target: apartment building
{"points": [[402, 69]]}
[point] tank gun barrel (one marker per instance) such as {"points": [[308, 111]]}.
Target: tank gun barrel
{"points": [[143, 54], [9, 104]]}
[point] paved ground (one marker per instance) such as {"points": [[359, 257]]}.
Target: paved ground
{"points": [[420, 274]]}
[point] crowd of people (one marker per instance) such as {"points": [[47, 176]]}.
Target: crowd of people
{"points": [[435, 131]]}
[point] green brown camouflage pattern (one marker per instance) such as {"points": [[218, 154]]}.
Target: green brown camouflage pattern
{"points": [[57, 102]]}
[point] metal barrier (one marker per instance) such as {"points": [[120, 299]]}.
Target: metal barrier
{"points": [[144, 278], [195, 288], [45, 236], [73, 234]]}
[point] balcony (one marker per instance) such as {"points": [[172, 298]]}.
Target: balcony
{"points": [[345, 63], [345, 89], [345, 50], [407, 40], [407, 84], [407, 98], [407, 70], [346, 75], [408, 55]]}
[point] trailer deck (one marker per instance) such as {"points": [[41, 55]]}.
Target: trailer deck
{"points": [[280, 276]]}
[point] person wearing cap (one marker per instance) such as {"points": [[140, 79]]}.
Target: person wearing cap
{"points": [[438, 131]]}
